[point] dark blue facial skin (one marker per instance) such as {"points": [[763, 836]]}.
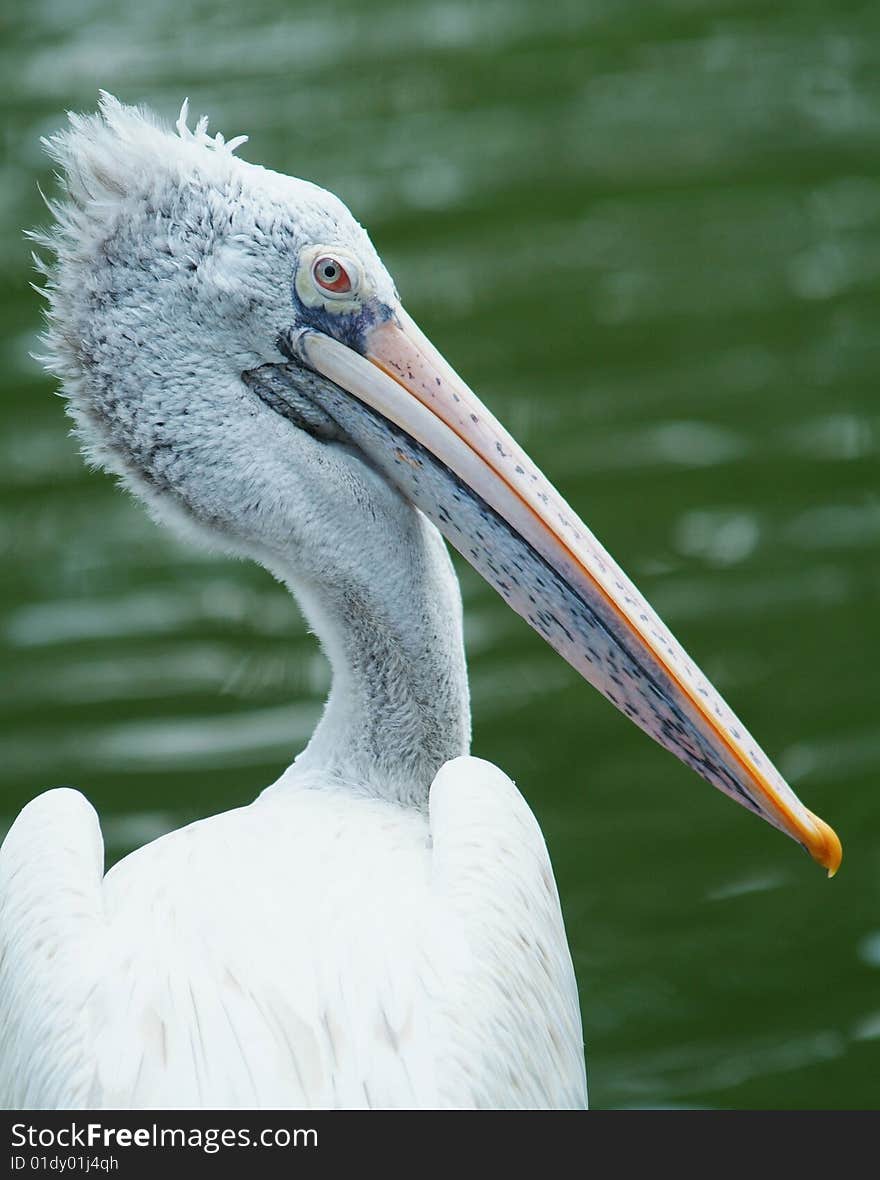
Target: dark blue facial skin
{"points": [[349, 328]]}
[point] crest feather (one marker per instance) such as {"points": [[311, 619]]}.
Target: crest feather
{"points": [[107, 155]]}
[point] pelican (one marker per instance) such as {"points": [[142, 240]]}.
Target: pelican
{"points": [[380, 928]]}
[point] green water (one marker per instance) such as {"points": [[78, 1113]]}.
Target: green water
{"points": [[649, 235]]}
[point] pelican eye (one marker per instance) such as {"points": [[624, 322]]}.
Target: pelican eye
{"points": [[331, 275]]}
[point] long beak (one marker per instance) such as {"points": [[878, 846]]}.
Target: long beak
{"points": [[432, 436]]}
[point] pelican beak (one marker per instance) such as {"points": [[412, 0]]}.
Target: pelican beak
{"points": [[432, 436]]}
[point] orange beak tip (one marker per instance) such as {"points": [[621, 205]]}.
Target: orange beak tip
{"points": [[826, 849]]}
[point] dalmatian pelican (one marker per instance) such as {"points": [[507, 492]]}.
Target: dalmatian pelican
{"points": [[380, 927]]}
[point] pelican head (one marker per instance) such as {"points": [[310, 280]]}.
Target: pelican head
{"points": [[233, 348]]}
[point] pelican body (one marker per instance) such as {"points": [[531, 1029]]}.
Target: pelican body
{"points": [[381, 926]]}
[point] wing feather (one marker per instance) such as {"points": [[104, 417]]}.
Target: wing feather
{"points": [[51, 946], [514, 1011]]}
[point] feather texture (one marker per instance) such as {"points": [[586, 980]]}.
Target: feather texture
{"points": [[316, 949]]}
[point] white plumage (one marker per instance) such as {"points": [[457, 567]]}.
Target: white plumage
{"points": [[315, 949]]}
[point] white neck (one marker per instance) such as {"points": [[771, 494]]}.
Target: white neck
{"points": [[399, 704]]}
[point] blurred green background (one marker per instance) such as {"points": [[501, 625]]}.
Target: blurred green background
{"points": [[649, 235]]}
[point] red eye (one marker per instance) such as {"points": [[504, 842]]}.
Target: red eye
{"points": [[331, 275]]}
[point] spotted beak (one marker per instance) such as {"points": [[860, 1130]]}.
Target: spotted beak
{"points": [[403, 405]]}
